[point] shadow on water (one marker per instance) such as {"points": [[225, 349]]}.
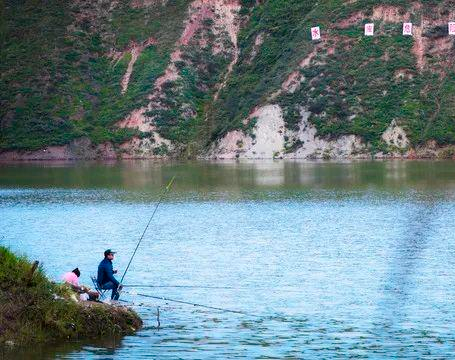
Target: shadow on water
{"points": [[405, 263], [103, 348]]}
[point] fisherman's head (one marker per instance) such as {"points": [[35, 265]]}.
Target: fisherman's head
{"points": [[77, 272], [109, 254]]}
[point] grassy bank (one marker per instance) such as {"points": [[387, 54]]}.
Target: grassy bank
{"points": [[35, 310]]}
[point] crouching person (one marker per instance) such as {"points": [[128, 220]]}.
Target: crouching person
{"points": [[106, 279], [72, 279]]}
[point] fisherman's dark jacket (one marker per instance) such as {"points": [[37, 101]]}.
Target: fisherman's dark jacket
{"points": [[106, 272]]}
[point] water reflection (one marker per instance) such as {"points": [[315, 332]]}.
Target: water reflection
{"points": [[404, 313], [101, 348], [209, 176]]}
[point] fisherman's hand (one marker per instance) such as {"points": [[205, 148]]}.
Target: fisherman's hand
{"points": [[120, 287], [115, 271]]}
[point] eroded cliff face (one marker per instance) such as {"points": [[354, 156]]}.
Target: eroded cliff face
{"points": [[234, 79], [270, 139]]}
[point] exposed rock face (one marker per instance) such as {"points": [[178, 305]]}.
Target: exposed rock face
{"points": [[147, 148], [265, 142], [429, 41], [314, 147], [395, 136], [269, 139]]}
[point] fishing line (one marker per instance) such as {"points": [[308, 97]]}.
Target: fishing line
{"points": [[195, 304], [209, 287], [166, 190]]}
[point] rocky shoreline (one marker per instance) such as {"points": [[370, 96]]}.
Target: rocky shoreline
{"points": [[268, 138], [332, 151]]}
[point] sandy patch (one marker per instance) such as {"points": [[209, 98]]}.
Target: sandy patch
{"points": [[137, 120], [418, 49], [353, 19], [292, 83], [306, 62], [256, 47], [391, 14]]}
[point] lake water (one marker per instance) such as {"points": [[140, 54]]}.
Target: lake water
{"points": [[325, 260]]}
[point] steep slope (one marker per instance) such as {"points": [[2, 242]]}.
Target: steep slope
{"points": [[226, 78], [177, 101], [73, 70], [360, 95]]}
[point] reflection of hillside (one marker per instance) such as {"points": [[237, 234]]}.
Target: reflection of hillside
{"points": [[269, 174], [105, 347], [234, 177], [141, 174]]}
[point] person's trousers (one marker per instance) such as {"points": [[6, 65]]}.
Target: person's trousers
{"points": [[111, 286]]}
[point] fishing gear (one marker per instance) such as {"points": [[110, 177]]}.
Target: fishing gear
{"points": [[137, 286], [194, 304], [166, 190]]}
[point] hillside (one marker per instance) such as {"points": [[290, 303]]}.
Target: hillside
{"points": [[225, 79]]}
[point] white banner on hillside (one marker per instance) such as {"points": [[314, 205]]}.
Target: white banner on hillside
{"points": [[369, 29], [315, 33], [451, 28], [407, 29]]}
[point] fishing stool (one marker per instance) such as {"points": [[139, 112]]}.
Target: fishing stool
{"points": [[97, 287]]}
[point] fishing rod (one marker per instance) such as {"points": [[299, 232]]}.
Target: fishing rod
{"points": [[166, 190]]}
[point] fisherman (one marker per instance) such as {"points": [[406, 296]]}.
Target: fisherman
{"points": [[72, 279], [106, 279]]}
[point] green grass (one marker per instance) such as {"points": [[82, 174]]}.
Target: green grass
{"points": [[184, 103], [283, 24], [34, 310]]}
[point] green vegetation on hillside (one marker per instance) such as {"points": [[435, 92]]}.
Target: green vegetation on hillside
{"points": [[181, 114], [359, 89], [281, 23], [32, 309], [57, 82]]}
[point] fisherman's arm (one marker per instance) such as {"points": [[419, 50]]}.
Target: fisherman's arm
{"points": [[110, 275]]}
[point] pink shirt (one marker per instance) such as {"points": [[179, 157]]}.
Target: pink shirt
{"points": [[71, 278]]}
